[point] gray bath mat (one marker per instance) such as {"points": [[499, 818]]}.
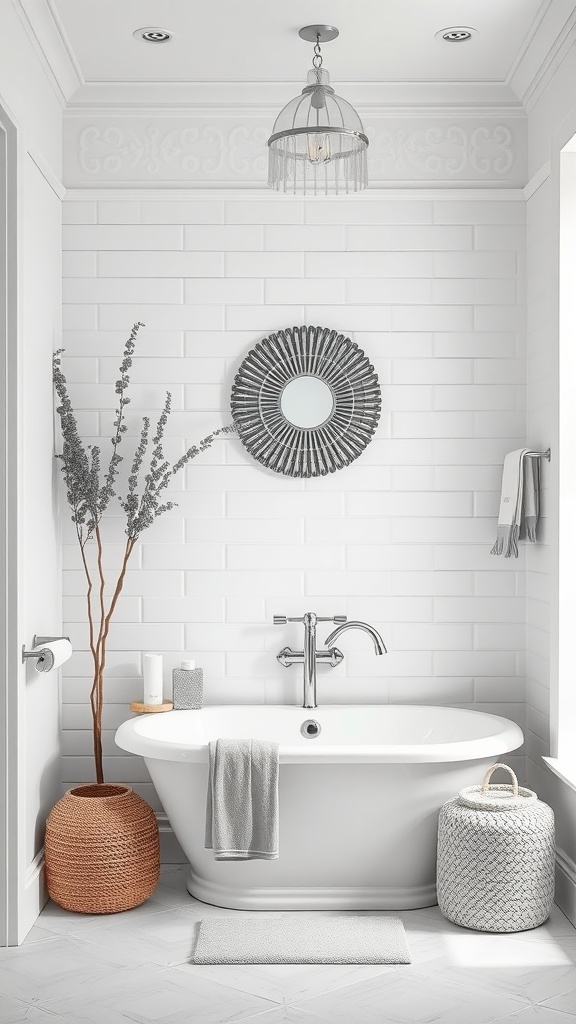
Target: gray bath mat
{"points": [[299, 939]]}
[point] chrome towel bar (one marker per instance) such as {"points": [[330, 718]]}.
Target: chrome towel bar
{"points": [[538, 455]]}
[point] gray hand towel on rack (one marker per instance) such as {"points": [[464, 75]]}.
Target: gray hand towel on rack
{"points": [[519, 503], [242, 801], [530, 499]]}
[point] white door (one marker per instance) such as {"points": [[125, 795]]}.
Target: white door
{"points": [[30, 292]]}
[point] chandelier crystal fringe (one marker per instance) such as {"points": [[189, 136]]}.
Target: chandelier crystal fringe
{"points": [[318, 145]]}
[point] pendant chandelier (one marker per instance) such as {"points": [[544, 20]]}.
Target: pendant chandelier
{"points": [[318, 145]]}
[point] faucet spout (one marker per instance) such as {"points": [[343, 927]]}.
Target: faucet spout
{"points": [[379, 645]]}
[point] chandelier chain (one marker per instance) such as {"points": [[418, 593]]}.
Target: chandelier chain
{"points": [[317, 58]]}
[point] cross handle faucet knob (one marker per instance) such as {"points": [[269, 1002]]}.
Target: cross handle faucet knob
{"points": [[281, 620]]}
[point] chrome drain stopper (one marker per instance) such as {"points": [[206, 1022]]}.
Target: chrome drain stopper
{"points": [[310, 729]]}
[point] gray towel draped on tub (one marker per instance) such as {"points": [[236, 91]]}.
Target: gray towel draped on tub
{"points": [[242, 801]]}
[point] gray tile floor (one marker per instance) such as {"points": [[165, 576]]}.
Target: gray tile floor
{"points": [[136, 967]]}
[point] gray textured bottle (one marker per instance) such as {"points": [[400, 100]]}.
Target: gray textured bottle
{"points": [[187, 686]]}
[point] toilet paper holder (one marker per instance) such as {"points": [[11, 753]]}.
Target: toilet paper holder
{"points": [[43, 656]]}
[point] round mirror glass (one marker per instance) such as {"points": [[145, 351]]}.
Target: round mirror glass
{"points": [[307, 402]]}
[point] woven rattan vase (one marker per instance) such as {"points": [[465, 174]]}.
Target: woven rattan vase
{"points": [[102, 850]]}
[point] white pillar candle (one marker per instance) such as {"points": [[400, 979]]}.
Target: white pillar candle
{"points": [[152, 679]]}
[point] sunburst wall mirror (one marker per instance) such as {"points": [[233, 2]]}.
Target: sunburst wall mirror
{"points": [[306, 401]]}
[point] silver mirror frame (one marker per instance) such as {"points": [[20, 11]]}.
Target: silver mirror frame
{"points": [[256, 396]]}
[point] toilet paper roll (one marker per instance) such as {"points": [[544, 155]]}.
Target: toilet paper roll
{"points": [[53, 654]]}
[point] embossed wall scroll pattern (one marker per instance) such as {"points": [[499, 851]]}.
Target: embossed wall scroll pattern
{"points": [[444, 152], [200, 152], [193, 150]]}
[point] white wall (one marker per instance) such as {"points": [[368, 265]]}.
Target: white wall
{"points": [[28, 91], [434, 293], [552, 123]]}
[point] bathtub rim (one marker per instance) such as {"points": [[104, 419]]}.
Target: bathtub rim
{"points": [[507, 738]]}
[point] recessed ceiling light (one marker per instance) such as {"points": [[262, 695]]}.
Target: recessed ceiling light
{"points": [[153, 35], [456, 34]]}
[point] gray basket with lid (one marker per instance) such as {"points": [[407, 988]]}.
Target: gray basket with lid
{"points": [[496, 857]]}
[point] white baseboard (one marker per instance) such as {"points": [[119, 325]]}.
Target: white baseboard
{"points": [[33, 898], [170, 850], [566, 885]]}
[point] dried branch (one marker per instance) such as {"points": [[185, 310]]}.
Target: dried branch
{"points": [[89, 499]]}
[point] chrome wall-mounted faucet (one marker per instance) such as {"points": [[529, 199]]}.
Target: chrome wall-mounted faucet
{"points": [[310, 656], [379, 645]]}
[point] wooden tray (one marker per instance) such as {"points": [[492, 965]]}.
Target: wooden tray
{"points": [[150, 709]]}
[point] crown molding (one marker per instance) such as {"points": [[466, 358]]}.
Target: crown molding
{"points": [[555, 58], [488, 97], [64, 41], [526, 51], [46, 36], [555, 29], [268, 111], [392, 194], [45, 28]]}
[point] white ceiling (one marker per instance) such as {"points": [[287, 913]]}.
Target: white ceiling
{"points": [[257, 40]]}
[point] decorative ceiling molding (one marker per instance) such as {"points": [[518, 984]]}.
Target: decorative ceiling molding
{"points": [[526, 49], [553, 30], [229, 150], [552, 36], [555, 58], [58, 24], [48, 40], [489, 97]]}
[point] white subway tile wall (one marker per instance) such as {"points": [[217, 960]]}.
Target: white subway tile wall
{"points": [[433, 292]]}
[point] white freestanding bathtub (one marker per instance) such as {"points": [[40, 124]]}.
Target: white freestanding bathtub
{"points": [[358, 803]]}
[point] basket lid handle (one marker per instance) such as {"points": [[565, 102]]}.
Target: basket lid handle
{"points": [[490, 772]]}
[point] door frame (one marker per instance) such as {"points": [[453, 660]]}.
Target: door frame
{"points": [[10, 669]]}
